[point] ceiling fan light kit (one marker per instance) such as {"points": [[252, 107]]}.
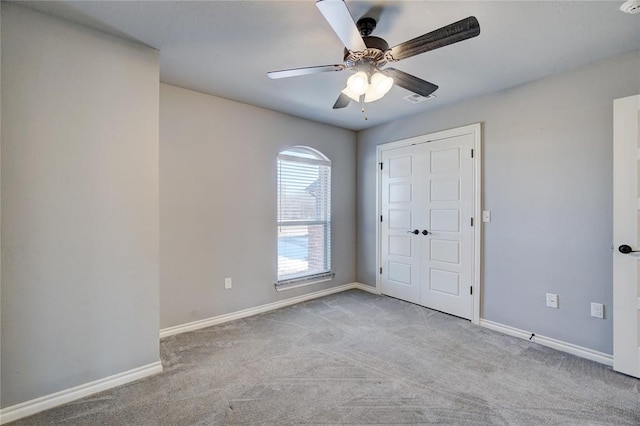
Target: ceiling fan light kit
{"points": [[379, 86], [366, 55]]}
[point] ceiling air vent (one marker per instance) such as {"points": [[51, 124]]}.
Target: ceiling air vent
{"points": [[416, 99], [632, 7]]}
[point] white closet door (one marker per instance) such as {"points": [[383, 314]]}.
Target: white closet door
{"points": [[447, 250], [402, 206], [427, 238]]}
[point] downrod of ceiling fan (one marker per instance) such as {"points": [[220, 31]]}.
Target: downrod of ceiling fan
{"points": [[366, 26]]}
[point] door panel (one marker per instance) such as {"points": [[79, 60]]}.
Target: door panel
{"points": [[626, 231], [444, 220], [400, 245], [399, 219], [445, 251], [400, 193], [444, 281], [400, 166], [445, 190], [400, 273], [444, 160]]}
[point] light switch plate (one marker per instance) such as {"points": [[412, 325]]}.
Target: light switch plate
{"points": [[486, 216]]}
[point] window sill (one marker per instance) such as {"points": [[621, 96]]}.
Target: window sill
{"points": [[304, 281]]}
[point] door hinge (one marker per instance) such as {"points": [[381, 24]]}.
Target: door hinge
{"points": [[380, 218], [471, 153], [381, 166], [471, 221], [380, 270], [471, 290]]}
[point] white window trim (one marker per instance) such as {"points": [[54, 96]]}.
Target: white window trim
{"points": [[305, 279], [315, 161]]}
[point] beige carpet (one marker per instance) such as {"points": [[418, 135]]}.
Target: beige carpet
{"points": [[356, 358]]}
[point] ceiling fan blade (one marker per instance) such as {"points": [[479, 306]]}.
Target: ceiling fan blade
{"points": [[452, 33], [294, 72], [338, 16], [410, 82], [342, 101]]}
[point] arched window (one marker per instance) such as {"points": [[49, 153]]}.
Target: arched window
{"points": [[304, 216]]}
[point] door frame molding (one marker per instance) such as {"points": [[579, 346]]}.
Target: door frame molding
{"points": [[476, 131]]}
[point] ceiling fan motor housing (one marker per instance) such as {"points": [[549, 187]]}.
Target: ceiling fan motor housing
{"points": [[374, 54]]}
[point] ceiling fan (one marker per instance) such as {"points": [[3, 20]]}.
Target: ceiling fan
{"points": [[366, 55]]}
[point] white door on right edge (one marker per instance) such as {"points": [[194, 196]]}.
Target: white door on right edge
{"points": [[626, 236], [447, 250]]}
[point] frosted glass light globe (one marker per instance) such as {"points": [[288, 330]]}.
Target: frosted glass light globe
{"points": [[381, 83], [358, 83]]}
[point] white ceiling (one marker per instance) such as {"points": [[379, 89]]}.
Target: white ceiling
{"points": [[225, 48]]}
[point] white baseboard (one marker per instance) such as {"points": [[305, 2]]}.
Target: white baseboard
{"points": [[576, 350], [208, 322], [46, 402], [367, 288]]}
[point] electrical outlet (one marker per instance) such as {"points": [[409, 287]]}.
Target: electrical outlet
{"points": [[597, 310], [552, 300], [227, 283]]}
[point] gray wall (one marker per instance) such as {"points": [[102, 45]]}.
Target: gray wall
{"points": [[547, 178], [218, 203], [79, 205]]}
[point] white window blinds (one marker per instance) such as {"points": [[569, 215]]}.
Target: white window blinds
{"points": [[304, 215]]}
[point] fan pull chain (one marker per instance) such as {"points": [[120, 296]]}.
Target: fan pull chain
{"points": [[362, 106]]}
